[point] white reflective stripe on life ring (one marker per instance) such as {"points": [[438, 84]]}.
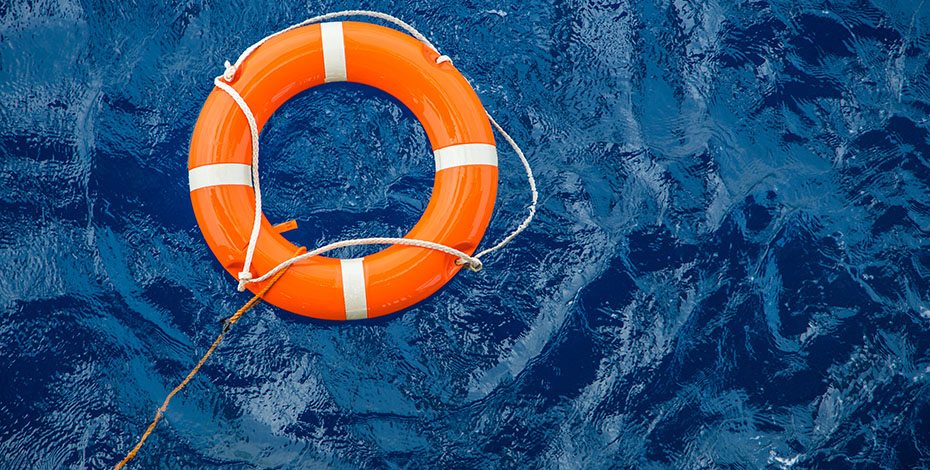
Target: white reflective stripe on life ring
{"points": [[334, 52], [465, 154], [353, 288], [219, 174]]}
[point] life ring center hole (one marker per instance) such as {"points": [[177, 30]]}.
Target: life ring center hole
{"points": [[345, 161]]}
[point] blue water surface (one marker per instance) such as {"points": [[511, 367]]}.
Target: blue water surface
{"points": [[729, 268]]}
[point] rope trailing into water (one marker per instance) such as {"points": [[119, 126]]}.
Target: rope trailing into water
{"points": [[471, 262], [228, 323]]}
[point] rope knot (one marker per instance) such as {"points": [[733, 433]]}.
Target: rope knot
{"points": [[230, 72], [244, 278], [473, 264]]}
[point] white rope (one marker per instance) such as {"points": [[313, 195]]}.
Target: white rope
{"points": [[231, 69], [471, 262], [245, 275], [529, 179]]}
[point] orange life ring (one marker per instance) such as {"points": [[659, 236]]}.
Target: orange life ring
{"points": [[455, 122]]}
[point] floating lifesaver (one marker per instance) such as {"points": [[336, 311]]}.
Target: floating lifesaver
{"points": [[459, 132]]}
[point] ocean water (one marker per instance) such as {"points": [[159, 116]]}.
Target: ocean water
{"points": [[729, 268]]}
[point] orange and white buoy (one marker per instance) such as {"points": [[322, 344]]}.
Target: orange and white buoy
{"points": [[464, 192]]}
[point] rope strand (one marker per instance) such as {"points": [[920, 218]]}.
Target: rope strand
{"points": [[245, 274], [231, 69], [228, 324], [529, 178]]}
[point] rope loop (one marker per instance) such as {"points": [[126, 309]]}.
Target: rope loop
{"points": [[472, 263]]}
